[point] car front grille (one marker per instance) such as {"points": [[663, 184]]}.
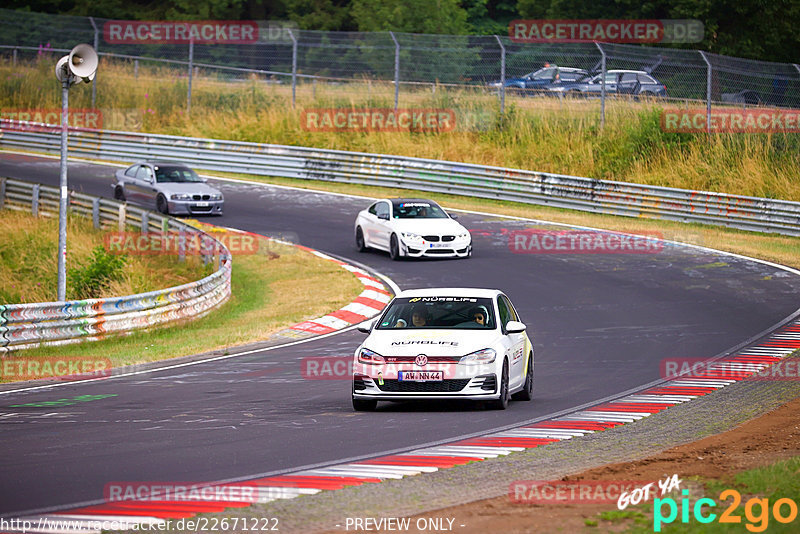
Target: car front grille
{"points": [[201, 208], [439, 251], [448, 238], [431, 238], [201, 197], [445, 386]]}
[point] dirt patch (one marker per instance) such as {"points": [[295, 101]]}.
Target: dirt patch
{"points": [[765, 440]]}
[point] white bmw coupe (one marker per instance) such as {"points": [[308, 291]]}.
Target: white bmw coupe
{"points": [[411, 227], [444, 344]]}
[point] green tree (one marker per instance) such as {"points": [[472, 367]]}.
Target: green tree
{"points": [[410, 16]]}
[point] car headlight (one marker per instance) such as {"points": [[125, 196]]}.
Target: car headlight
{"points": [[216, 196], [479, 357], [409, 236], [371, 357], [180, 196], [465, 235]]}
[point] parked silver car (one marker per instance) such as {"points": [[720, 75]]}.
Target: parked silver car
{"points": [[171, 188]]}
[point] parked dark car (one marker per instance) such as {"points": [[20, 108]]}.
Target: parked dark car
{"points": [[748, 96], [542, 79], [622, 82]]}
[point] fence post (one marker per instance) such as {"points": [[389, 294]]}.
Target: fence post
{"points": [[121, 218], [15, 57], [96, 42], [136, 68], [396, 70], [96, 212], [35, 200], [708, 90], [502, 75], [182, 243], [2, 193], [191, 65], [294, 66], [314, 85], [602, 85]]}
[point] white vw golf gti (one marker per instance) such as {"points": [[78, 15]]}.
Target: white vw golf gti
{"points": [[411, 227], [444, 344]]}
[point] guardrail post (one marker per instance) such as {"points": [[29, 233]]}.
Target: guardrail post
{"points": [[294, 66], [145, 221], [94, 85], [502, 75], [2, 193], [396, 70], [96, 212], [191, 65], [35, 200], [708, 90], [182, 244], [122, 216], [136, 68], [164, 225], [602, 85]]}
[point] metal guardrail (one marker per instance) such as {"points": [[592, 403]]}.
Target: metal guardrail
{"points": [[29, 325], [555, 190]]}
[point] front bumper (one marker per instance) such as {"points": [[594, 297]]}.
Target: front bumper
{"points": [[458, 248], [481, 387], [195, 207]]}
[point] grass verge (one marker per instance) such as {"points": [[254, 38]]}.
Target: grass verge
{"points": [[269, 292], [543, 134]]}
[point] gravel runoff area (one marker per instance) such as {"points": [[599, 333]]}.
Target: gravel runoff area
{"points": [[704, 416]]}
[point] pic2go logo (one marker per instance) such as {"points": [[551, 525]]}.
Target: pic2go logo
{"points": [[756, 511]]}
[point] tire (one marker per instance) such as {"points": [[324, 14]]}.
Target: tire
{"points": [[502, 402], [360, 245], [161, 205], [119, 194], [394, 248], [364, 405], [526, 393]]}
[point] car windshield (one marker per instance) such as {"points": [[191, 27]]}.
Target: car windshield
{"points": [[165, 174], [441, 312], [544, 74], [417, 210]]}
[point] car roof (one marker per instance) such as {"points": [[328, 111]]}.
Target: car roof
{"points": [[627, 70], [450, 292], [403, 200], [159, 162]]}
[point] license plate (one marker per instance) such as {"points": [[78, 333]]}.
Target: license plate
{"points": [[420, 376], [440, 245], [203, 204]]}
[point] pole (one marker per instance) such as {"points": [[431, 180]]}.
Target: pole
{"points": [[62, 204], [396, 70], [96, 39], [502, 75], [602, 86], [708, 91], [191, 65], [294, 66]]}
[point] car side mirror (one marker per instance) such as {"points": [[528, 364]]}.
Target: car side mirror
{"points": [[366, 328], [454, 217], [515, 327], [384, 216]]}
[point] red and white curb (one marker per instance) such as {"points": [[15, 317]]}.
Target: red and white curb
{"points": [[627, 409], [369, 303]]}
